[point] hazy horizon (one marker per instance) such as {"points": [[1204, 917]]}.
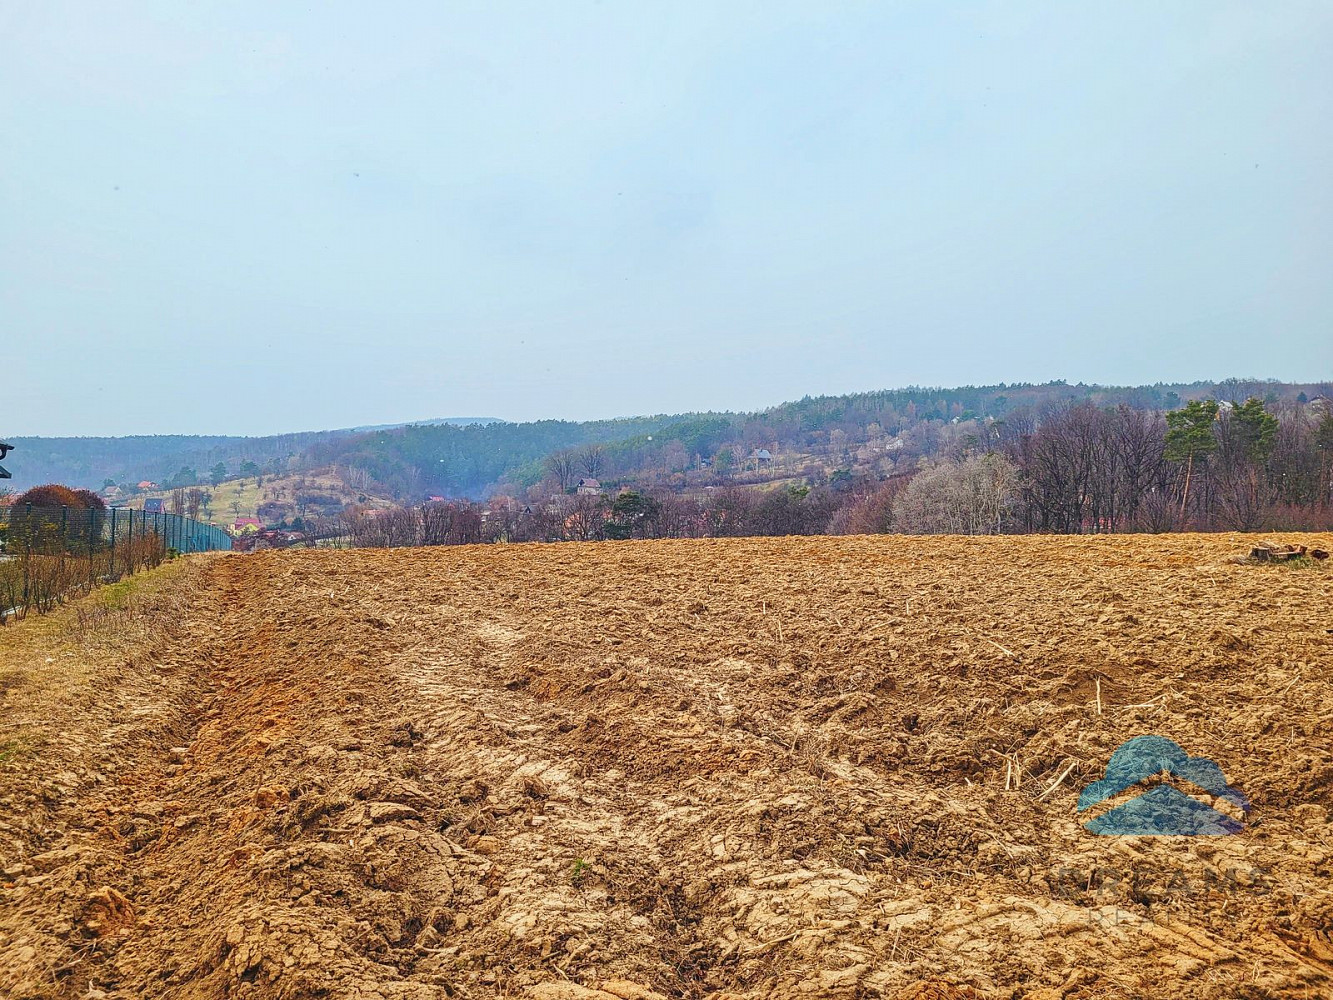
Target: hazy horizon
{"points": [[771, 404], [241, 219]]}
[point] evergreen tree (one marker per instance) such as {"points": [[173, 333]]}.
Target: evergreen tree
{"points": [[1189, 435]]}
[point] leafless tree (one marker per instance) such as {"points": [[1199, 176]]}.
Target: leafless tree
{"points": [[450, 523], [677, 516], [586, 519], [390, 528], [1068, 474], [562, 464], [540, 524], [592, 460], [728, 512], [437, 520], [1137, 440], [974, 497]]}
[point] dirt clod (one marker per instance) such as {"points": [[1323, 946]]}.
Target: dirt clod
{"points": [[106, 912], [271, 795]]}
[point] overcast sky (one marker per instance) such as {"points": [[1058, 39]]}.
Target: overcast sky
{"points": [[258, 217]]}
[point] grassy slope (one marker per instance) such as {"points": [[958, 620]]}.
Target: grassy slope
{"points": [[247, 495]]}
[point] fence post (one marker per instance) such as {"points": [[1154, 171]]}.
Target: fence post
{"points": [[27, 553], [111, 569], [64, 537]]}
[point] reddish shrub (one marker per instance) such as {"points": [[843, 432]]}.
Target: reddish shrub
{"points": [[89, 500], [50, 495], [869, 513]]}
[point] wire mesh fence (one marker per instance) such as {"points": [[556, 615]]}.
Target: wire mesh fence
{"points": [[50, 553]]}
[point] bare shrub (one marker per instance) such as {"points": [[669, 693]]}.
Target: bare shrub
{"points": [[974, 497]]}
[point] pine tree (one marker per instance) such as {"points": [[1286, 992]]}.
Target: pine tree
{"points": [[1189, 434]]}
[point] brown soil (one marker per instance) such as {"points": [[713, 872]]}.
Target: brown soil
{"points": [[746, 768]]}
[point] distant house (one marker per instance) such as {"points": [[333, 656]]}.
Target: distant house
{"points": [[154, 505], [112, 492], [245, 525], [147, 484], [434, 499], [589, 487], [758, 458]]}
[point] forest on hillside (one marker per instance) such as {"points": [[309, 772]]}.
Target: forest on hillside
{"points": [[92, 462], [1070, 468], [1051, 457], [875, 432], [173, 460]]}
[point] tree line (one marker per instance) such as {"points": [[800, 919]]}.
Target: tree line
{"points": [[1210, 465], [475, 460], [1075, 468]]}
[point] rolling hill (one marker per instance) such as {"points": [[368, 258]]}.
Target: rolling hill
{"points": [[470, 457]]}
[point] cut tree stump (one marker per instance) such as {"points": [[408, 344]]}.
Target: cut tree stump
{"points": [[1267, 553]]}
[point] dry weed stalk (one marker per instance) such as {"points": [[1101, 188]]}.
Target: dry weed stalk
{"points": [[1056, 783]]}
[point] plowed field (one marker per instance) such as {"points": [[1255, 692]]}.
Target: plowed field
{"points": [[745, 768]]}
